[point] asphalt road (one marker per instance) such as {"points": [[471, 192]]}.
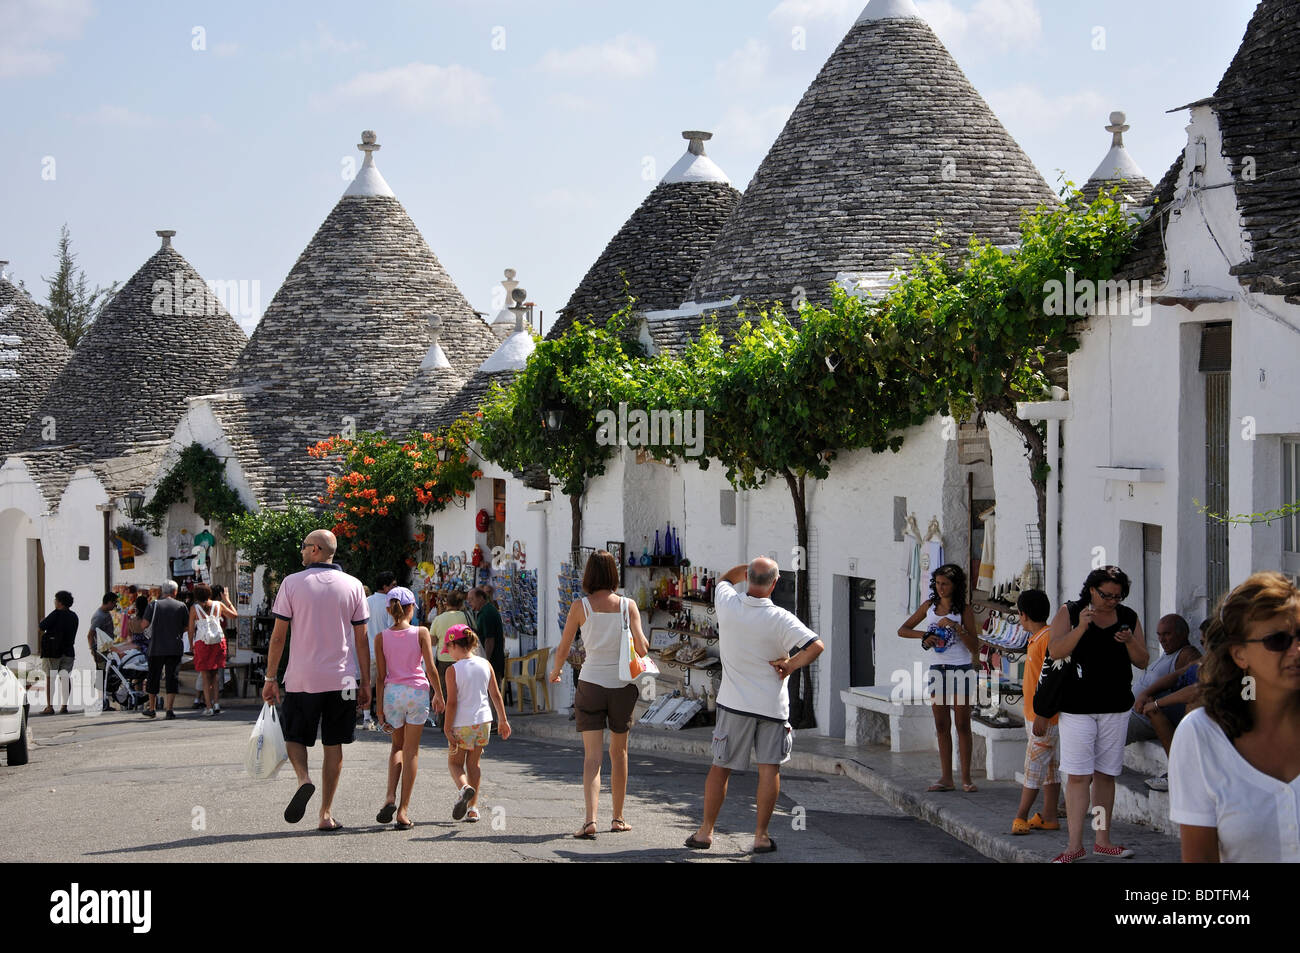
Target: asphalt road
{"points": [[123, 788]]}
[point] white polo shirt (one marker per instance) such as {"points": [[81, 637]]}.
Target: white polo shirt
{"points": [[1212, 785], [752, 633]]}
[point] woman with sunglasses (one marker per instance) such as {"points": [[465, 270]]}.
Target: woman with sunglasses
{"points": [[1103, 639], [1234, 769]]}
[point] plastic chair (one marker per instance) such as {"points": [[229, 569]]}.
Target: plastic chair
{"points": [[532, 674]]}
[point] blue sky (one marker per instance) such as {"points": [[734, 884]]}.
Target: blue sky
{"points": [[517, 134]]}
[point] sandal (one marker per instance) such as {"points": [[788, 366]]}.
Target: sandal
{"points": [[583, 835], [386, 813], [694, 844], [968, 788], [472, 815], [939, 786], [619, 826]]}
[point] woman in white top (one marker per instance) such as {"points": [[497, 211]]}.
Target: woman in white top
{"points": [[604, 698], [949, 632], [1234, 768]]}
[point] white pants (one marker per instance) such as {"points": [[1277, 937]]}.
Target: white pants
{"points": [[1093, 743]]}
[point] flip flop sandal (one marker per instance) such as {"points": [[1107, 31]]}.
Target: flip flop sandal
{"points": [[298, 806], [769, 849], [330, 830], [969, 788], [619, 826], [939, 787], [386, 813], [694, 844], [583, 835], [403, 826]]}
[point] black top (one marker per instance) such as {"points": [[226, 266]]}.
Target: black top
{"points": [[59, 634], [168, 620], [489, 627], [1106, 685]]}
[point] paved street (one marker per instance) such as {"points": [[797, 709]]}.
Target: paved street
{"points": [[120, 788]]}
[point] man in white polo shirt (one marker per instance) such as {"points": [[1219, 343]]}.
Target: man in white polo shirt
{"points": [[760, 644], [328, 610]]}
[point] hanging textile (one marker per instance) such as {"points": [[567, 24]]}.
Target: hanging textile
{"points": [[985, 581]]}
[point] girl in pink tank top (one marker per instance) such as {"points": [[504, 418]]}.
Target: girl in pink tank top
{"points": [[403, 656]]}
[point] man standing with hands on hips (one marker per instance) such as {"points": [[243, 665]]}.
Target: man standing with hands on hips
{"points": [[761, 644], [321, 692]]}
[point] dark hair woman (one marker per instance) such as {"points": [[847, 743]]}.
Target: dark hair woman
{"points": [[604, 698], [1234, 768], [949, 631], [208, 640], [1103, 640]]}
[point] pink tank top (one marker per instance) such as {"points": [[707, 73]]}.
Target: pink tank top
{"points": [[402, 658]]}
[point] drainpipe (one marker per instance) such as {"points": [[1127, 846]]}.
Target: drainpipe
{"points": [[742, 523], [1053, 412]]}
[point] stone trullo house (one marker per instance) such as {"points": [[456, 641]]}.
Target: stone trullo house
{"points": [[100, 433], [32, 354]]}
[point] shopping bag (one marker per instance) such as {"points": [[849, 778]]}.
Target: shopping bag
{"points": [[630, 665], [266, 751]]}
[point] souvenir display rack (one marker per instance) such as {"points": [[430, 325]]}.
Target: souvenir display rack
{"points": [[516, 592]]}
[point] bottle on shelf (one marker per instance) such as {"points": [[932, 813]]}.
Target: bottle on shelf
{"points": [[657, 552], [695, 584]]}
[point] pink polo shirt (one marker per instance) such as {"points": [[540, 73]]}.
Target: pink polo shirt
{"points": [[322, 603]]}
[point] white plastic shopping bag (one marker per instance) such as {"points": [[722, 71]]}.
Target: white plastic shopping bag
{"points": [[266, 751]]}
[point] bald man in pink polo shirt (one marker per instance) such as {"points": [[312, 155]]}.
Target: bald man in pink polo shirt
{"points": [[328, 610]]}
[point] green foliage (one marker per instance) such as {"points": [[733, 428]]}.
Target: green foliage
{"points": [[1250, 519], [200, 470], [273, 538], [73, 307], [586, 370]]}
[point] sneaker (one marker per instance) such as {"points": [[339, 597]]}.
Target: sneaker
{"points": [[1114, 850], [208, 713], [171, 715], [1019, 826], [1158, 784], [1068, 858], [149, 714], [198, 703], [1038, 824]]}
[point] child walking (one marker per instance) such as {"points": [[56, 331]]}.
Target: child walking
{"points": [[403, 656], [472, 693], [1042, 755]]}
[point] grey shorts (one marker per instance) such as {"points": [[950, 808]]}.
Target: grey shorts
{"points": [[63, 664], [734, 735]]}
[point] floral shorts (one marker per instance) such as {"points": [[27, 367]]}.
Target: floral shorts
{"points": [[469, 737], [405, 705], [1042, 757]]}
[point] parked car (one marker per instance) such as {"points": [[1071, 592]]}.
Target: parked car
{"points": [[15, 730]]}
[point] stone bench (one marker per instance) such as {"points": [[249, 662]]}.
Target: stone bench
{"points": [[1004, 749], [872, 716]]}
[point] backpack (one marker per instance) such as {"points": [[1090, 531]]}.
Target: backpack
{"points": [[207, 628]]}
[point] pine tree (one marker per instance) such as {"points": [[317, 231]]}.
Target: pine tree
{"points": [[72, 307]]}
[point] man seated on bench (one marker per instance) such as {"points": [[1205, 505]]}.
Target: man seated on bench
{"points": [[1178, 653], [1178, 691]]}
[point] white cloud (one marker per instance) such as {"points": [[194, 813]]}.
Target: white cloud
{"points": [[801, 11], [29, 27], [453, 92], [322, 42], [745, 68], [752, 129], [627, 56], [1028, 107], [226, 49], [990, 25]]}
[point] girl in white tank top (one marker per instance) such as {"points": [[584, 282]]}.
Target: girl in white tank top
{"points": [[472, 693]]}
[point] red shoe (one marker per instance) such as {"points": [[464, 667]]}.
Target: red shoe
{"points": [[1114, 850], [1069, 858]]}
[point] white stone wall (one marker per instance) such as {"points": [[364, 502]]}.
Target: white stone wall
{"points": [[1138, 400]]}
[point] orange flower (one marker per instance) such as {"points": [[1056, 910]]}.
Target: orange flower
{"points": [[368, 461], [419, 537], [382, 510], [428, 484], [390, 498], [426, 435], [477, 474]]}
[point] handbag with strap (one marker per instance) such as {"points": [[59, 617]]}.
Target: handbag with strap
{"points": [[1055, 683], [630, 665]]}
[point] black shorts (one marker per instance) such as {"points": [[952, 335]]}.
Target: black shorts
{"points": [[303, 712], [599, 707], [172, 663]]}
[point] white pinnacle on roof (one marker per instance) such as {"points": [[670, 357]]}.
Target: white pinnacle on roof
{"points": [[368, 181], [890, 10], [512, 355], [695, 166], [1118, 164], [436, 358], [504, 317]]}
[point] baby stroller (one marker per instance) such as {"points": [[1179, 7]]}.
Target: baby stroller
{"points": [[124, 678]]}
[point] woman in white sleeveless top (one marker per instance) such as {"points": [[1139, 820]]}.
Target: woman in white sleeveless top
{"points": [[604, 698]]}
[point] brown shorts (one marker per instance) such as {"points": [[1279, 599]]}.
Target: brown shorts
{"points": [[598, 707]]}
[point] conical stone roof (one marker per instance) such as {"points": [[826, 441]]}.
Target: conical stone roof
{"points": [[164, 338], [890, 142], [660, 247], [343, 338], [32, 354]]}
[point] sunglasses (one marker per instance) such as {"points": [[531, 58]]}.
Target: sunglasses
{"points": [[1109, 596], [1277, 641]]}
